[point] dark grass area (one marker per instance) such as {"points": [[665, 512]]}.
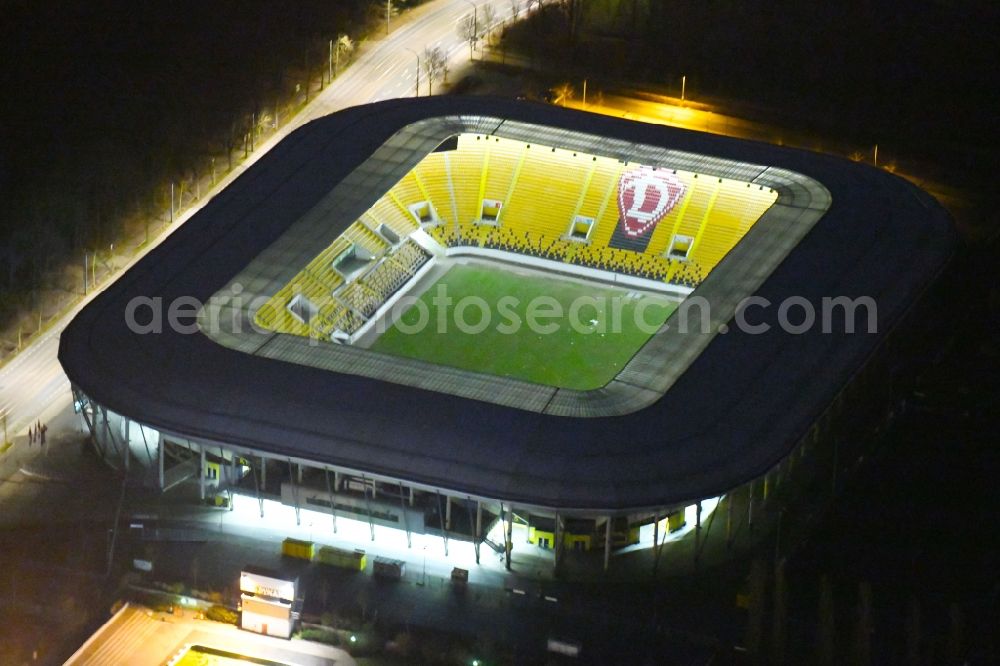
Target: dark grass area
{"points": [[107, 103], [884, 72], [599, 329]]}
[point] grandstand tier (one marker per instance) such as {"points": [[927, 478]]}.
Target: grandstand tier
{"points": [[542, 191]]}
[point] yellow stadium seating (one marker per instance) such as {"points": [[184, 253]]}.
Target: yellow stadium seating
{"points": [[542, 191]]}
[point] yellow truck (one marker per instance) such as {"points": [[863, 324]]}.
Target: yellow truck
{"points": [[303, 550], [356, 560]]}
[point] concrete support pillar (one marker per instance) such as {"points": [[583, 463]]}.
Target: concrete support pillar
{"points": [[336, 481], [558, 545], [89, 418], [508, 529], [656, 529], [697, 532], [300, 474], [477, 540], [447, 512], [201, 474], [126, 458], [729, 519], [256, 488], [607, 544], [295, 492], [368, 503], [105, 430], [330, 496], [443, 522], [160, 461], [145, 444], [406, 521], [411, 495], [263, 473]]}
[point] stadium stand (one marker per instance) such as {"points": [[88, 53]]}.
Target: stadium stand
{"points": [[548, 189], [333, 304], [358, 297], [542, 192], [396, 270]]}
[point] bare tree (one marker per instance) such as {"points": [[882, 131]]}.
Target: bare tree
{"points": [[467, 30], [488, 23], [489, 16], [571, 9], [345, 45], [434, 65], [515, 9]]}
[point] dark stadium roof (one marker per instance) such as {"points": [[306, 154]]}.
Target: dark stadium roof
{"points": [[738, 408]]}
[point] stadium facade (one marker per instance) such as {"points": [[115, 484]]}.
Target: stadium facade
{"points": [[244, 350]]}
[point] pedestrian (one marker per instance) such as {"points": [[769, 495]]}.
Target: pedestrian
{"points": [[31, 435], [44, 429]]}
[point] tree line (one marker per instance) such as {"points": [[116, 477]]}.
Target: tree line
{"points": [[107, 103]]}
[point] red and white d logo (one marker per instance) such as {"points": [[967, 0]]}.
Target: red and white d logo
{"points": [[645, 196]]}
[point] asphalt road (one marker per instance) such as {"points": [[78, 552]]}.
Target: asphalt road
{"points": [[33, 385]]}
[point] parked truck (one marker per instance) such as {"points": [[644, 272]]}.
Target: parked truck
{"points": [[303, 550], [383, 567], [356, 560]]}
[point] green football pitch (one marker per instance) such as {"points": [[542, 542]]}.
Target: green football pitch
{"points": [[541, 329]]}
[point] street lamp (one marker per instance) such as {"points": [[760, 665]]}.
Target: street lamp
{"points": [[416, 91]]}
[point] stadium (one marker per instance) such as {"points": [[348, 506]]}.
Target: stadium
{"points": [[477, 317]]}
